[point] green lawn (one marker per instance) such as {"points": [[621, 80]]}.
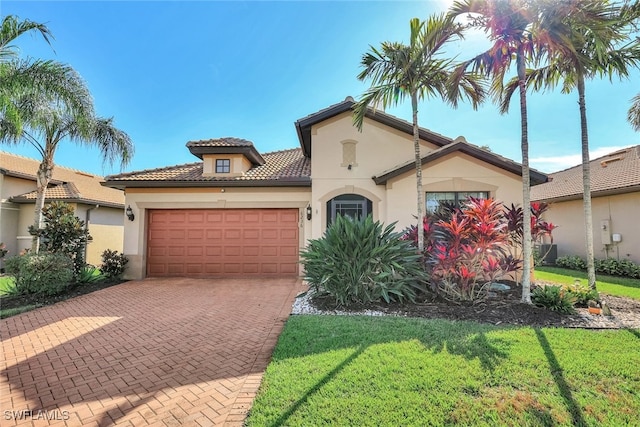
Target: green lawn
{"points": [[612, 285], [383, 371]]}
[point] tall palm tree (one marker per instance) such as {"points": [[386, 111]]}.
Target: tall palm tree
{"points": [[509, 27], [44, 103], [584, 39], [416, 71], [49, 123], [37, 76]]}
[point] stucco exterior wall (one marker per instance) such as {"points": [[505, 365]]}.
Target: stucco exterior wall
{"points": [[141, 200], [106, 226], [378, 149], [10, 212], [455, 172], [621, 210]]}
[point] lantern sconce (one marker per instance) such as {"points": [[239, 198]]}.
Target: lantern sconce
{"points": [[309, 212], [129, 213]]}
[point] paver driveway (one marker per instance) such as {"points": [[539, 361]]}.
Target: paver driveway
{"points": [[155, 351]]}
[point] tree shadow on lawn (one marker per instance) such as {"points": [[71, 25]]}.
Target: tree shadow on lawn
{"points": [[635, 332], [465, 339], [558, 376]]}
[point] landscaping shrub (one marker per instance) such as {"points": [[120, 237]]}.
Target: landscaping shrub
{"points": [[555, 298], [359, 261], [615, 267], [90, 274], [609, 266], [44, 273], [582, 293], [113, 264], [467, 248], [63, 232], [3, 250], [572, 262]]}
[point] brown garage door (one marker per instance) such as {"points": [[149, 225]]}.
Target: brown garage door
{"points": [[211, 242]]}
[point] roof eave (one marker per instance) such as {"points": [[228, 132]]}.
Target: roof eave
{"points": [[303, 126], [24, 201], [535, 177], [249, 152], [601, 193], [285, 182]]}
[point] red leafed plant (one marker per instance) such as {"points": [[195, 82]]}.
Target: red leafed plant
{"points": [[468, 248]]}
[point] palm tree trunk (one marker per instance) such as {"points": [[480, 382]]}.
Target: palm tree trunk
{"points": [[418, 159], [586, 185], [526, 196], [43, 176]]}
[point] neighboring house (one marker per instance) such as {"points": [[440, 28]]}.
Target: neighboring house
{"points": [[100, 207], [239, 212], [615, 199]]}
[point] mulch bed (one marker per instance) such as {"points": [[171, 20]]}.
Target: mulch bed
{"points": [[502, 308]]}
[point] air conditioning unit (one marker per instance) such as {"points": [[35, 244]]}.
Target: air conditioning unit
{"points": [[549, 253]]}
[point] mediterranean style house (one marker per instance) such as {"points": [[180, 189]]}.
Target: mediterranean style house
{"points": [[100, 207], [615, 206], [237, 211]]}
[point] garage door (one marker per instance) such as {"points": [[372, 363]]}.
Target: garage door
{"points": [[222, 242]]}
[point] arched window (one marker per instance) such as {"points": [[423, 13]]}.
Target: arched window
{"points": [[352, 205]]}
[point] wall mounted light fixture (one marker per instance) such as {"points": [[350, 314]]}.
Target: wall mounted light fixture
{"points": [[309, 212], [349, 166], [129, 213]]}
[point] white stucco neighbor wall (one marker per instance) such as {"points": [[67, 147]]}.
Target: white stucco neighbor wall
{"points": [[144, 199]]}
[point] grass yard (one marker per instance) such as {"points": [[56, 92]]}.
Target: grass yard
{"points": [[612, 285], [384, 371]]}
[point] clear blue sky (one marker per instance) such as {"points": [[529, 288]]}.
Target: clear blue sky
{"points": [[171, 71]]}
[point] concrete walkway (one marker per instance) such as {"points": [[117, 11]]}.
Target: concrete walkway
{"points": [[161, 352]]}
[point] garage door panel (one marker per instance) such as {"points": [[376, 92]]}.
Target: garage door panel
{"points": [[270, 233], [228, 242], [213, 234], [232, 234]]}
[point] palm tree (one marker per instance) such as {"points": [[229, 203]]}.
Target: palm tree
{"points": [[50, 123], [37, 76], [509, 27], [416, 71], [583, 40], [45, 103]]}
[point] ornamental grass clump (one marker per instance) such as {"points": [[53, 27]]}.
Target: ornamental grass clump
{"points": [[361, 261]]}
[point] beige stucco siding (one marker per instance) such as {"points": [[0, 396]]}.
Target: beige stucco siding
{"points": [[141, 200], [106, 229], [455, 172], [378, 148], [621, 210], [10, 212]]}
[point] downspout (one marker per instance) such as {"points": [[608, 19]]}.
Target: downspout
{"points": [[87, 221]]}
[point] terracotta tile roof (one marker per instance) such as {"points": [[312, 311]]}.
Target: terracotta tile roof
{"points": [[221, 142], [67, 184], [617, 172], [286, 166]]}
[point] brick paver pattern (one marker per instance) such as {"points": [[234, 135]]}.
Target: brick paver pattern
{"points": [[161, 352]]}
